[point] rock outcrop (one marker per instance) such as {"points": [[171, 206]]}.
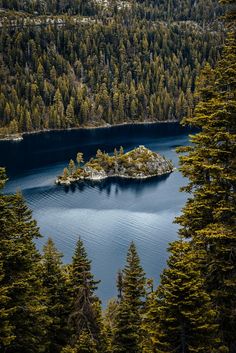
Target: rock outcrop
{"points": [[140, 163]]}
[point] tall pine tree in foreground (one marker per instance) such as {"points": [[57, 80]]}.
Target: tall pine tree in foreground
{"points": [[85, 320], [56, 284], [21, 281], [209, 215], [6, 327], [180, 317], [127, 333]]}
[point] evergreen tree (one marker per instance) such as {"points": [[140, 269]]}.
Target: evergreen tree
{"points": [[127, 333], [110, 321], [133, 283], [180, 316], [85, 312], [88, 84], [65, 173], [6, 326], [79, 158], [71, 166], [55, 283], [209, 214], [25, 301], [3, 178], [84, 344]]}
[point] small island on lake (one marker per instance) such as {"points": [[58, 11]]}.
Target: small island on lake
{"points": [[139, 163]]}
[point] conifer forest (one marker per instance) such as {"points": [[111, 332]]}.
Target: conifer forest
{"points": [[97, 63]]}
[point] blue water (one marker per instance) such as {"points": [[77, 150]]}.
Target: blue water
{"points": [[108, 215]]}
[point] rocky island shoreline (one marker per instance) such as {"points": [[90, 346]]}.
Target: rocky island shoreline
{"points": [[139, 163]]}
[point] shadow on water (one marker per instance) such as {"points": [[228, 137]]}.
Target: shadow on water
{"points": [[134, 185], [45, 149], [108, 214]]}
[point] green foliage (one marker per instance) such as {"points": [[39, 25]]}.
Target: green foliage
{"points": [[23, 310], [209, 214], [86, 344], [126, 337], [137, 163], [180, 316], [85, 313], [106, 71], [57, 290], [110, 321], [132, 64], [71, 166], [66, 173], [179, 10], [79, 158], [133, 282], [127, 331], [43, 7], [3, 177]]}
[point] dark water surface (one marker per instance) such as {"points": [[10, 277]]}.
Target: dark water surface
{"points": [[109, 214]]}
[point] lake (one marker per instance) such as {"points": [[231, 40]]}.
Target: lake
{"points": [[108, 214]]}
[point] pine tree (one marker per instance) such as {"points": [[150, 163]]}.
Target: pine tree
{"points": [[55, 283], [79, 158], [127, 333], [20, 262], [3, 178], [70, 113], [110, 320], [133, 279], [85, 312], [180, 316], [71, 166], [84, 344], [126, 336], [6, 326], [209, 214], [65, 173]]}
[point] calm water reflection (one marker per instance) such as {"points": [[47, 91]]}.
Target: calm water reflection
{"points": [[109, 214]]}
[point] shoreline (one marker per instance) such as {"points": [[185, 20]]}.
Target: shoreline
{"points": [[98, 179], [139, 163], [20, 137]]}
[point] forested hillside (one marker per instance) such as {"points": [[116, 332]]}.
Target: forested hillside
{"points": [[48, 307], [71, 64], [42, 7]]}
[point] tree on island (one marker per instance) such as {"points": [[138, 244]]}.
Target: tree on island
{"points": [[66, 173], [79, 158], [71, 166], [121, 151]]}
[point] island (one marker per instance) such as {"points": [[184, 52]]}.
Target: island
{"points": [[139, 163]]}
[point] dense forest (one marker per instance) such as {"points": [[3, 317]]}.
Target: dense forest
{"points": [[78, 74], [66, 64], [51, 7], [46, 306], [196, 10]]}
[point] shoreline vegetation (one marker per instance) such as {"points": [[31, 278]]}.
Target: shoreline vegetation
{"points": [[139, 163], [75, 64], [20, 136]]}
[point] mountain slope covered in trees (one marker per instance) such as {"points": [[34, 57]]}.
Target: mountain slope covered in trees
{"points": [[48, 307], [120, 62]]}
